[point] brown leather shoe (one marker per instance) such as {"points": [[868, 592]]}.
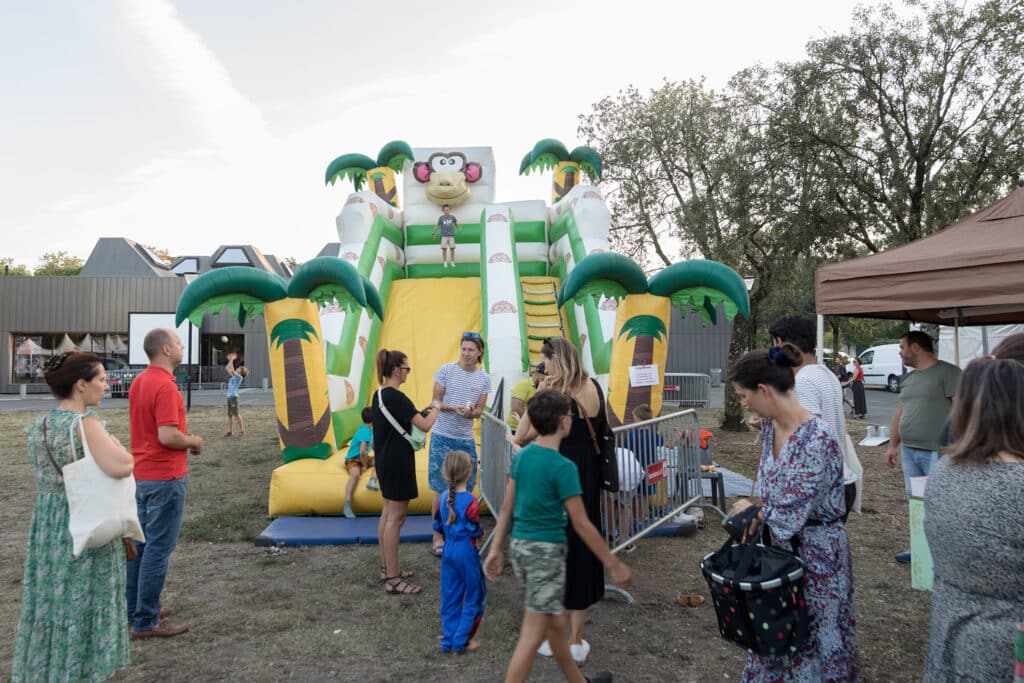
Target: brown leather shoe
{"points": [[163, 629]]}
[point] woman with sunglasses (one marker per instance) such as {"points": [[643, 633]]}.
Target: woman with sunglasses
{"points": [[584, 573], [396, 463], [460, 389]]}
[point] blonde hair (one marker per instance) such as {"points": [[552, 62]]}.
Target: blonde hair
{"points": [[642, 413], [456, 468], [571, 377]]}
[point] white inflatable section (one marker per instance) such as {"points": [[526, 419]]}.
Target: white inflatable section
{"points": [[419, 207], [354, 224], [504, 338], [529, 210]]}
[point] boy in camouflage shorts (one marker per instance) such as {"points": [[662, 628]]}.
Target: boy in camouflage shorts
{"points": [[542, 492]]}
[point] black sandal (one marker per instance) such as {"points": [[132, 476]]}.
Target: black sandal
{"points": [[403, 587], [404, 574]]}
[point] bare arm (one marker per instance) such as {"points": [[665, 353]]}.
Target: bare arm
{"points": [[892, 453], [172, 437], [517, 406], [230, 367], [438, 395], [588, 533], [112, 457], [496, 557], [478, 409], [425, 423], [525, 433]]}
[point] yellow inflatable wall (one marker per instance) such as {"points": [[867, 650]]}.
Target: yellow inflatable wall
{"points": [[424, 318], [641, 338]]}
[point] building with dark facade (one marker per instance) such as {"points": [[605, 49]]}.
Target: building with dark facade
{"points": [[40, 316]]}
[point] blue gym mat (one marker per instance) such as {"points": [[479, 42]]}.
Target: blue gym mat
{"points": [[339, 531]]}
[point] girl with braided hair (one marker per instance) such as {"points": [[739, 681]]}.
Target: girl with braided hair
{"points": [[463, 591]]}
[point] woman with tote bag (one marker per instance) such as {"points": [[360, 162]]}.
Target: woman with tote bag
{"points": [[72, 624]]}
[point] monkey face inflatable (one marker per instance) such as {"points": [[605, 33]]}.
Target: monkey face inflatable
{"points": [[447, 176]]}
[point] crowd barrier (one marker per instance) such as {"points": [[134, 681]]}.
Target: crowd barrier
{"points": [[687, 389]]}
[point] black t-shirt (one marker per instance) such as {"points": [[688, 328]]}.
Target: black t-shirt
{"points": [[386, 440]]}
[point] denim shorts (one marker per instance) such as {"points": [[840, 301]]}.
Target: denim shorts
{"points": [[540, 567], [440, 446]]}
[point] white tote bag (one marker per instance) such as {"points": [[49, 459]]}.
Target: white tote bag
{"points": [[100, 507]]}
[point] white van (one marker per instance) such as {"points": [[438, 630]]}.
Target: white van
{"points": [[883, 367]]}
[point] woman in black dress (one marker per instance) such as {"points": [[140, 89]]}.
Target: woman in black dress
{"points": [[584, 583], [395, 463], [856, 382]]}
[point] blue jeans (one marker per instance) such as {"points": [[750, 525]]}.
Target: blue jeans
{"points": [[917, 462], [440, 445], [160, 505]]}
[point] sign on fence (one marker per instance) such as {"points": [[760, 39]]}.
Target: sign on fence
{"points": [[657, 471]]}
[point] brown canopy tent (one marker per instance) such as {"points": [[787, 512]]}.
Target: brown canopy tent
{"points": [[971, 273]]}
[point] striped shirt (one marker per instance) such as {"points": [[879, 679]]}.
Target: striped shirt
{"points": [[460, 388], [821, 394]]}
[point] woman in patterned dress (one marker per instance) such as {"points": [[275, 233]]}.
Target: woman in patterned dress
{"points": [[73, 615], [801, 479]]}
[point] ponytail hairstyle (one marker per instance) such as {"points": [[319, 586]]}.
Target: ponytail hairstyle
{"points": [[456, 468], [387, 362], [773, 368], [1011, 348]]}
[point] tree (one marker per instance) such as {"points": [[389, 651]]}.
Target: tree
{"points": [[915, 116], [381, 173], [165, 256], [714, 172], [59, 263], [9, 267]]}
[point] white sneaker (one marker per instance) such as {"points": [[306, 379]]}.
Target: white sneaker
{"points": [[580, 652], [545, 649]]}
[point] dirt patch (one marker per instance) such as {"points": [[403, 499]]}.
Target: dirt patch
{"points": [[319, 613]]}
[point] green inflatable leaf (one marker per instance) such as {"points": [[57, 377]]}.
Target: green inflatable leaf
{"points": [[321, 451], [394, 155]]}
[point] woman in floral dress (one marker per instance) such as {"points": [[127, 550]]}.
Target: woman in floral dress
{"points": [[801, 478], [73, 615]]}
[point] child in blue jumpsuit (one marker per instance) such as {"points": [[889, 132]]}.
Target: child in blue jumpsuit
{"points": [[463, 590]]}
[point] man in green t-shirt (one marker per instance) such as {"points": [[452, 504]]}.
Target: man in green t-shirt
{"points": [[523, 391], [926, 396], [542, 492]]}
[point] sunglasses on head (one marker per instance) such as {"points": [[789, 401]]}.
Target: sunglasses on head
{"points": [[470, 335]]}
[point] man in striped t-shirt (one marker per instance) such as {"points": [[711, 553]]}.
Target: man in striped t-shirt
{"points": [[460, 389], [820, 393]]}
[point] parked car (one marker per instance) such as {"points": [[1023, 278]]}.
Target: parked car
{"points": [[883, 367], [119, 376]]}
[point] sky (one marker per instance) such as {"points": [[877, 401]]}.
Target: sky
{"points": [[190, 124]]}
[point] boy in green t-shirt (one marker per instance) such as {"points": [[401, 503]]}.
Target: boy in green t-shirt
{"points": [[542, 492]]}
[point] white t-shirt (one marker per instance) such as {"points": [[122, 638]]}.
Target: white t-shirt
{"points": [[460, 388], [820, 393]]}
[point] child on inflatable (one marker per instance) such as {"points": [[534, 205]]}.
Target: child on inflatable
{"points": [[447, 223], [543, 490], [358, 459], [463, 589]]}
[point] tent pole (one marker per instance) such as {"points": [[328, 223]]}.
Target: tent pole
{"points": [[956, 341], [820, 351]]}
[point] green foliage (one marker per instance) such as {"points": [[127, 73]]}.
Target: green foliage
{"points": [[394, 155], [59, 263], [165, 256], [644, 325], [9, 267], [351, 167], [292, 328], [589, 160]]}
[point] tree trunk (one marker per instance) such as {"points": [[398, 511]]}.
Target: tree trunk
{"points": [[301, 430], [643, 354], [741, 341]]}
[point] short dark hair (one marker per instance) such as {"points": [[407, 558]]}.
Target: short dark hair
{"points": [[446, 206], [546, 410], [921, 339], [772, 367], [796, 330], [367, 415], [63, 370]]}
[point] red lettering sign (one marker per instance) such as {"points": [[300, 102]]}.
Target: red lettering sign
{"points": [[656, 471]]}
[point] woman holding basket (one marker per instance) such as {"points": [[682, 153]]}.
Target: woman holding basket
{"points": [[802, 503]]}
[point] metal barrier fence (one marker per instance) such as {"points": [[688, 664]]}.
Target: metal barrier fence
{"points": [[687, 389], [495, 459]]}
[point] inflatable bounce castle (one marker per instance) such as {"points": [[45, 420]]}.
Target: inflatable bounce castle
{"points": [[523, 271]]}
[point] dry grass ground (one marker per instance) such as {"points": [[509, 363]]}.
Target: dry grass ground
{"points": [[311, 614]]}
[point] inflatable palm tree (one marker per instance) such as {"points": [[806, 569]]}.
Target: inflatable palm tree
{"points": [[292, 319], [642, 315], [360, 168], [550, 153]]}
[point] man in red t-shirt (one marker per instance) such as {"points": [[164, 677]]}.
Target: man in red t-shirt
{"points": [[160, 444]]}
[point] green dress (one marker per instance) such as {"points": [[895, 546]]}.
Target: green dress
{"points": [[73, 624]]}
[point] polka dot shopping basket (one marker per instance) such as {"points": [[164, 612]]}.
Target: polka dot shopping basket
{"points": [[758, 593]]}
